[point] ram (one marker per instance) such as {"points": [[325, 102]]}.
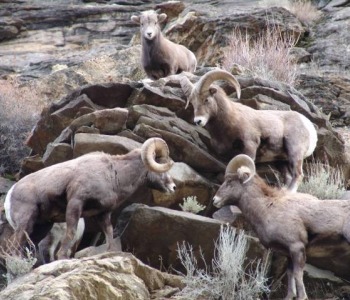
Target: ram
{"points": [[160, 56], [284, 221], [264, 135], [92, 185]]}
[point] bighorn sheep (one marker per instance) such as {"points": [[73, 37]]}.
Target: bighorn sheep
{"points": [[48, 246], [264, 135], [160, 56], [284, 221], [92, 185]]}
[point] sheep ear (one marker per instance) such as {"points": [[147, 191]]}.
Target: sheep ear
{"points": [[213, 90], [135, 19], [161, 18], [244, 174]]}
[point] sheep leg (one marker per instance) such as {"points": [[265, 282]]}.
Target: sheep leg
{"points": [[73, 213], [250, 148], [295, 165], [298, 257], [291, 281], [104, 221]]}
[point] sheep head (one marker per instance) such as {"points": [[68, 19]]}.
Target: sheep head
{"points": [[202, 94], [155, 156], [239, 171], [149, 23]]}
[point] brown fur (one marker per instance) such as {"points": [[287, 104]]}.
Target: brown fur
{"points": [[264, 135], [94, 184], [160, 56], [286, 222]]}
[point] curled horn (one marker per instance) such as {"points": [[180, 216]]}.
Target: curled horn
{"points": [[241, 162], [202, 86], [187, 88], [156, 149]]}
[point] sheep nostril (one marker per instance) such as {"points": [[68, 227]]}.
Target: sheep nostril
{"points": [[198, 122], [174, 187]]}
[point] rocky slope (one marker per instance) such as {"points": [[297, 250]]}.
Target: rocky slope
{"points": [[85, 61]]}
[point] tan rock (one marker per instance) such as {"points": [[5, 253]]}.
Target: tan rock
{"points": [[112, 275]]}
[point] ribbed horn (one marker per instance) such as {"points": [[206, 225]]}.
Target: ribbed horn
{"points": [[240, 161], [187, 88], [156, 149], [202, 86]]}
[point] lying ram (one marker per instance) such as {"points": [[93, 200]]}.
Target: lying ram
{"points": [[284, 221], [92, 185], [264, 135], [160, 56]]}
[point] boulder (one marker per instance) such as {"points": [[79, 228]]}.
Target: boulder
{"points": [[85, 143], [154, 234], [112, 275]]}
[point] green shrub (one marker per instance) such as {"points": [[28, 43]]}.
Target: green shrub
{"points": [[227, 277]]}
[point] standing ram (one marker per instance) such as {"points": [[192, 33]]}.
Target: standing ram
{"points": [[264, 135], [285, 221], [92, 185], [160, 56]]}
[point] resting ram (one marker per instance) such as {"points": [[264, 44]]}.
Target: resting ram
{"points": [[264, 135], [284, 221], [160, 56], [92, 185]]}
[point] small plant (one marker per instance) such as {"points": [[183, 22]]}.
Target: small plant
{"points": [[18, 261], [266, 55], [190, 204], [304, 10], [227, 278], [20, 109], [323, 181]]}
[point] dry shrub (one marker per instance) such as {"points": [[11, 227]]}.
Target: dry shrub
{"points": [[227, 278], [190, 204], [20, 109], [323, 181], [304, 10], [18, 260], [266, 55]]}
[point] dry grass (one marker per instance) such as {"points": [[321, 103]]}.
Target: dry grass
{"points": [[304, 10], [17, 260], [323, 181], [227, 278], [20, 109], [266, 56]]}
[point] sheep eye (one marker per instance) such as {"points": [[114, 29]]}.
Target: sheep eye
{"points": [[206, 100]]}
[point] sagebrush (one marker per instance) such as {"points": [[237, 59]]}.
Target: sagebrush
{"points": [[17, 260], [20, 109], [323, 181], [266, 55], [304, 10], [190, 204], [228, 277]]}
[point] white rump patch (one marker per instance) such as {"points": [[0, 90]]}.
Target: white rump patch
{"points": [[312, 135], [7, 206]]}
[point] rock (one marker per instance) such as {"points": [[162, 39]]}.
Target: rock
{"points": [[188, 183], [56, 153], [147, 235], [5, 185], [111, 275], [85, 143]]}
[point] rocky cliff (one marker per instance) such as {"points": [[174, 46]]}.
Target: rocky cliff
{"points": [[84, 58]]}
